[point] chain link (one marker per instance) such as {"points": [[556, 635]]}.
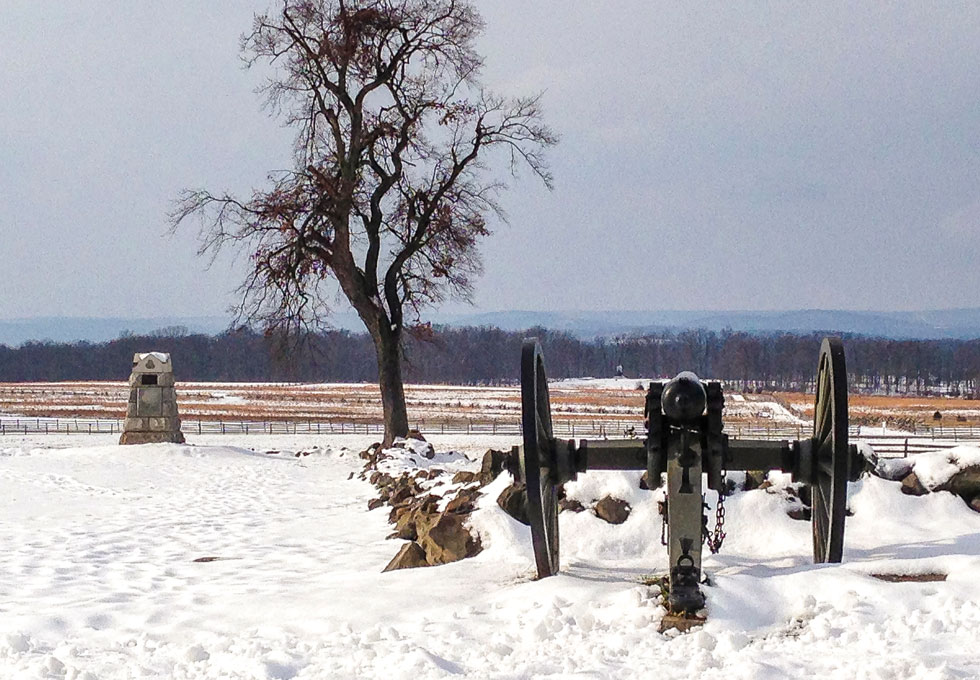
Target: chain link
{"points": [[663, 525], [717, 537]]}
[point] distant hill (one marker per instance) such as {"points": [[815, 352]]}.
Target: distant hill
{"points": [[92, 329], [926, 324]]}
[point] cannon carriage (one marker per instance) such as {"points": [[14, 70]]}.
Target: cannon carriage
{"points": [[685, 448]]}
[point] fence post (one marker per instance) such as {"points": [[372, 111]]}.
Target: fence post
{"points": [[905, 454]]}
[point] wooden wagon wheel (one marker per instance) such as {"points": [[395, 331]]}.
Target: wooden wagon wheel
{"points": [[537, 459], [830, 454]]}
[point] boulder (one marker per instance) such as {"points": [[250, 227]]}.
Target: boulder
{"points": [[892, 469], [612, 510], [370, 453], [426, 504], [965, 483], [465, 502], [912, 486], [975, 504], [464, 477], [375, 503], [411, 555], [495, 462], [513, 501], [405, 525], [754, 479], [645, 482], [415, 445], [446, 539], [570, 504], [402, 495], [800, 512], [381, 479], [416, 435]]}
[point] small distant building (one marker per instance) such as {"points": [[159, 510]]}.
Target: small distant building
{"points": [[151, 415]]}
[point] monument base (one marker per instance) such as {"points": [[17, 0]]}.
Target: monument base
{"points": [[152, 438]]}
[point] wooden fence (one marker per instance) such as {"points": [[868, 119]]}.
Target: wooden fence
{"points": [[884, 444]]}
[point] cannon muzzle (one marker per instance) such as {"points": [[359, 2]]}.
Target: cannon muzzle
{"points": [[684, 397]]}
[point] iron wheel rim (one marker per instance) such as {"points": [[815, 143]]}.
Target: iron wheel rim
{"points": [[536, 466], [829, 486]]}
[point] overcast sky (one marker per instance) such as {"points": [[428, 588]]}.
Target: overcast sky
{"points": [[713, 156]]}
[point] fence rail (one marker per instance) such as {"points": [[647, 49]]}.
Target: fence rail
{"points": [[887, 444]]}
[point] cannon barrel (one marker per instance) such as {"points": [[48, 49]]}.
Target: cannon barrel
{"points": [[684, 397]]}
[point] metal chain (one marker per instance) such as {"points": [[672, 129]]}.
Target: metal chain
{"points": [[717, 537], [663, 524]]}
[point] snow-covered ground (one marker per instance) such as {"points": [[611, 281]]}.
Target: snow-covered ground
{"points": [[98, 577]]}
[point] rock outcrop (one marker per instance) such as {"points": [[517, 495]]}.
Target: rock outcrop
{"points": [[612, 510]]}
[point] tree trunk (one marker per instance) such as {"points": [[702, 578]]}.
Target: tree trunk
{"points": [[387, 346]]}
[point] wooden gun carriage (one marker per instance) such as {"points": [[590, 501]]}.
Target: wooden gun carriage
{"points": [[685, 439]]}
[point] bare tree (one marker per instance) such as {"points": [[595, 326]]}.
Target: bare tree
{"points": [[391, 185]]}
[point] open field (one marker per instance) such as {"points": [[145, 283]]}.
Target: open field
{"points": [[909, 413], [580, 401]]}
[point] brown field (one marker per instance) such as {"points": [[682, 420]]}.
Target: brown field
{"points": [[359, 403], [904, 411]]}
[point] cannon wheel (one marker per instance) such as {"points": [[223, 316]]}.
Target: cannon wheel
{"points": [[536, 459], [830, 454]]}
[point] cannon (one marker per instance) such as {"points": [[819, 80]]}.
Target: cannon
{"points": [[686, 443]]}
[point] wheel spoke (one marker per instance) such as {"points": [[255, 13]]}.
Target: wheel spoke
{"points": [[829, 487]]}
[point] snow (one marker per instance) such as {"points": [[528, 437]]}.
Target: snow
{"points": [[935, 468], [162, 357], [98, 544]]}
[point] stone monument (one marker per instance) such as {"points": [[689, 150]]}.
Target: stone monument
{"points": [[151, 415]]}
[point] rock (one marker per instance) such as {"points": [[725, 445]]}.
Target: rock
{"points": [[411, 555], [401, 496], [645, 482], [375, 503], [612, 510], [754, 479], [495, 462], [422, 474], [892, 469], [765, 485], [415, 445], [446, 539], [912, 486], [396, 513], [570, 504], [975, 504], [800, 512], [416, 435], [405, 527], [464, 477], [465, 502], [370, 452], [965, 483], [513, 501]]}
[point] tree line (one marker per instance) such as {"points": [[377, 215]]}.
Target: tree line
{"points": [[490, 356]]}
